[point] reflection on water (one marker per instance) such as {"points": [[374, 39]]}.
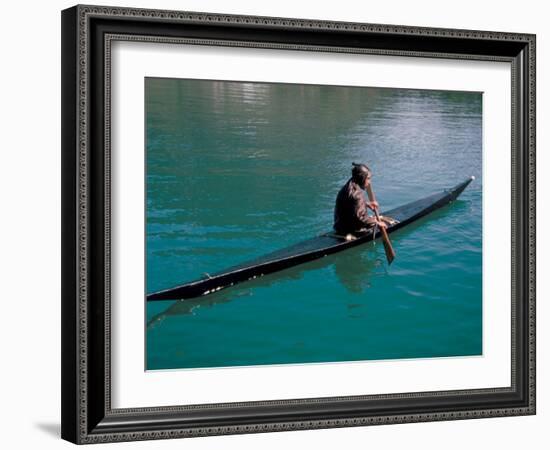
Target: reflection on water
{"points": [[352, 268], [237, 170]]}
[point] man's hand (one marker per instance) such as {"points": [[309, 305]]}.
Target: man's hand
{"points": [[372, 205], [380, 223]]}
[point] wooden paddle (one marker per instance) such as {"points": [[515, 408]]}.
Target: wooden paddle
{"points": [[390, 252]]}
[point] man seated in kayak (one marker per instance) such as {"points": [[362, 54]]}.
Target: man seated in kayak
{"points": [[351, 209]]}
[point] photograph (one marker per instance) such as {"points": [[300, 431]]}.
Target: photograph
{"points": [[301, 223]]}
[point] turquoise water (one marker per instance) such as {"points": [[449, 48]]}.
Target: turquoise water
{"points": [[236, 170]]}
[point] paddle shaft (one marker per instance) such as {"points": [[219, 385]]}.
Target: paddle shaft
{"points": [[390, 252]]}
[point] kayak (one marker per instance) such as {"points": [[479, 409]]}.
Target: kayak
{"points": [[309, 250]]}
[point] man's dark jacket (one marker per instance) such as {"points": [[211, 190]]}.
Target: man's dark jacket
{"points": [[350, 211]]}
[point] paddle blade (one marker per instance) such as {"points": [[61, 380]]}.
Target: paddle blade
{"points": [[388, 248]]}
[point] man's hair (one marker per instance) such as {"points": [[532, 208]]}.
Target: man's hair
{"points": [[359, 173]]}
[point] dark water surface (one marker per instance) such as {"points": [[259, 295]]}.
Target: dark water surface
{"points": [[236, 170]]}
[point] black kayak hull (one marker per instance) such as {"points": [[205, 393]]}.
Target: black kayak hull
{"points": [[308, 250]]}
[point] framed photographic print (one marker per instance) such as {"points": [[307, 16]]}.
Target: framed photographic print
{"points": [[277, 224]]}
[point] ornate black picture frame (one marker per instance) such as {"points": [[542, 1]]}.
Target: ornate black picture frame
{"points": [[87, 34]]}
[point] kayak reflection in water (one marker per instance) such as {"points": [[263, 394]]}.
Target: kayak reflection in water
{"points": [[354, 269], [351, 210]]}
